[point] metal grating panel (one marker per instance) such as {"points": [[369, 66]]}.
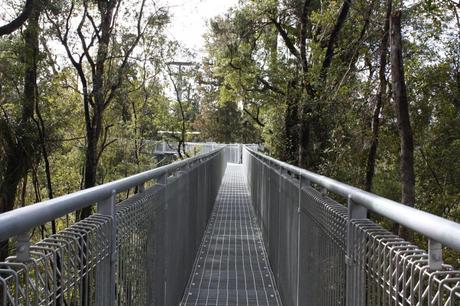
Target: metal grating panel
{"points": [[231, 267]]}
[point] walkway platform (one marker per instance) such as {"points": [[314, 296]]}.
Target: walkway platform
{"points": [[231, 267]]}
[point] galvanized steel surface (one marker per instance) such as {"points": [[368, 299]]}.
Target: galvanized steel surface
{"points": [[439, 229], [319, 255], [21, 220], [157, 235], [315, 249], [231, 266]]}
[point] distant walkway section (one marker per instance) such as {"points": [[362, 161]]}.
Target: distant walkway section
{"points": [[231, 267]]}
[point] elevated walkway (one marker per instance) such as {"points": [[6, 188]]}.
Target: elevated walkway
{"points": [[206, 231], [231, 267]]}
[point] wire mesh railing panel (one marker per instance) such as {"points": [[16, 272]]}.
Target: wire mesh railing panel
{"points": [[322, 249], [288, 261], [321, 256], [139, 243], [62, 269], [136, 252], [233, 153], [396, 272], [158, 234]]}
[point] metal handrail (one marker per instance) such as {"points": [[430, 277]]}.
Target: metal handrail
{"points": [[21, 220], [431, 226]]}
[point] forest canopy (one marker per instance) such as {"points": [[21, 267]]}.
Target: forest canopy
{"points": [[364, 91]]}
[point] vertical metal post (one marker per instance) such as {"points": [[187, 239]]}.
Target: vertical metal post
{"points": [[163, 181], [23, 247], [105, 276], [302, 183], [355, 280], [434, 255], [141, 188]]}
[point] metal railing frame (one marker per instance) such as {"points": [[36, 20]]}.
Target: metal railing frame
{"points": [[19, 222], [431, 226], [439, 231]]}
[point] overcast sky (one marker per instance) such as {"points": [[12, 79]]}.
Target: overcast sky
{"points": [[188, 23]]}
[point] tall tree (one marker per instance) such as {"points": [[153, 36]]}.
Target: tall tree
{"points": [[107, 65], [19, 138], [402, 111], [379, 99]]}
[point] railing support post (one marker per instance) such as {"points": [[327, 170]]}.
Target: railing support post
{"points": [[302, 183], [434, 255], [105, 276], [23, 247], [141, 188], [355, 279], [163, 181]]}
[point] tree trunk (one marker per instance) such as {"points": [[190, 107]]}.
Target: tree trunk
{"points": [[305, 115], [42, 134], [94, 124], [379, 98], [290, 143], [403, 118], [344, 9], [18, 143]]}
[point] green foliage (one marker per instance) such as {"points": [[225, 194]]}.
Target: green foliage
{"points": [[250, 88]]}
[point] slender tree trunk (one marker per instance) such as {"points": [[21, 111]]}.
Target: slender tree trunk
{"points": [[291, 141], [24, 190], [18, 143], [42, 134], [304, 134], [379, 99], [344, 9], [402, 111], [94, 127]]}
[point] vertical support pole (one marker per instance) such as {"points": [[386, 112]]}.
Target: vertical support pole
{"points": [[434, 255], [23, 247], [281, 173], [163, 181], [303, 182], [141, 188], [324, 191], [355, 280], [105, 277]]}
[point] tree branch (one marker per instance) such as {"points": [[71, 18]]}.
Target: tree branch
{"points": [[289, 44], [19, 21], [344, 9]]}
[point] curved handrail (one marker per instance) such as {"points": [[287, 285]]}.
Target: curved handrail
{"points": [[21, 220], [431, 226]]}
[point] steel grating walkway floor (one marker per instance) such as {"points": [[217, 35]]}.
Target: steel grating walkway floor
{"points": [[231, 267]]}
